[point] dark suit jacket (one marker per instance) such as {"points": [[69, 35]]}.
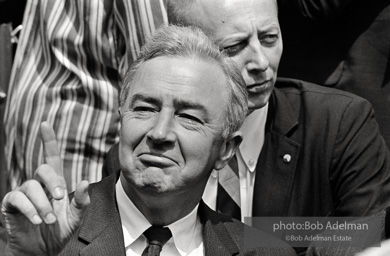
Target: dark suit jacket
{"points": [[343, 44], [101, 231], [339, 162], [359, 240]]}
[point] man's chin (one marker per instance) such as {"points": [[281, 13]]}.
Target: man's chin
{"points": [[153, 184], [254, 107], [154, 189], [257, 101]]}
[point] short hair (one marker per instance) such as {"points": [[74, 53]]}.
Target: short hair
{"points": [[191, 42]]}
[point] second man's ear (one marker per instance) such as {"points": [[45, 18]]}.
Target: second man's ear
{"points": [[228, 150]]}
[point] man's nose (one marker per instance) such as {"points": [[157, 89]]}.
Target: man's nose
{"points": [[162, 130], [258, 60]]}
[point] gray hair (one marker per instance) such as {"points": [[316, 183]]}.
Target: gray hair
{"points": [[191, 42]]}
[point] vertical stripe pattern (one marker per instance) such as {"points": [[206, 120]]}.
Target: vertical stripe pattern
{"points": [[69, 62]]}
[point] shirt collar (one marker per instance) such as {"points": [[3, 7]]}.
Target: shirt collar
{"points": [[184, 230], [133, 220], [253, 141]]}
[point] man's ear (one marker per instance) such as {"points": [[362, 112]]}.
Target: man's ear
{"points": [[228, 150], [120, 115]]}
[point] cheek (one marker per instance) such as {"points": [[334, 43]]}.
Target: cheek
{"points": [[275, 55], [198, 149], [240, 60], [133, 130]]}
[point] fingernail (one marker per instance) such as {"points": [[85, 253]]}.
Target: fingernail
{"points": [[50, 218], [58, 193], [36, 220]]}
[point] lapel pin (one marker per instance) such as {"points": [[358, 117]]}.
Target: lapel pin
{"points": [[287, 158]]}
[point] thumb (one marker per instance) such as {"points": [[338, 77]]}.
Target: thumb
{"points": [[79, 203]]}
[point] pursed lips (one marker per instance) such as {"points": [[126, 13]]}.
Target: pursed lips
{"points": [[155, 159], [258, 87]]}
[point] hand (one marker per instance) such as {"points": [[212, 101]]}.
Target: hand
{"points": [[38, 215]]}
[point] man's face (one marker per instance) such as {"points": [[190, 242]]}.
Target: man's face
{"points": [[248, 31], [172, 122]]}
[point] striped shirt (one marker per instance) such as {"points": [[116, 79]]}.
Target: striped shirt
{"points": [[67, 69]]}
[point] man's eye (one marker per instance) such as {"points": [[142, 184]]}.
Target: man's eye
{"points": [[144, 109], [269, 40], [190, 118], [234, 49]]}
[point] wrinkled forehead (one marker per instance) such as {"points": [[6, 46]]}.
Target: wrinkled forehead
{"points": [[180, 76], [225, 8], [219, 18]]}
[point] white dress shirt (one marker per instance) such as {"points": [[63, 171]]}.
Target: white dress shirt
{"points": [[247, 156], [186, 233]]}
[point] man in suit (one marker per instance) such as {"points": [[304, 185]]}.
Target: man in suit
{"points": [[176, 127], [307, 150]]}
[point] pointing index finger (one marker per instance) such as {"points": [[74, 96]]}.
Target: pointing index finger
{"points": [[50, 148]]}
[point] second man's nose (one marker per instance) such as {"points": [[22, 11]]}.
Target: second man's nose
{"points": [[257, 59]]}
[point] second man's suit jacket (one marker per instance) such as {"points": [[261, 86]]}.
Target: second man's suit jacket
{"points": [[323, 155]]}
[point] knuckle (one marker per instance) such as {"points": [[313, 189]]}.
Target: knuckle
{"points": [[49, 177], [13, 202], [13, 196], [30, 186], [6, 197]]}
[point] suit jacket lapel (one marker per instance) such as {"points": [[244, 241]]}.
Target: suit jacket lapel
{"points": [[102, 229], [102, 233], [216, 238], [276, 167]]}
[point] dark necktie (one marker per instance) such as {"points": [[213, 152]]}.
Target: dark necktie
{"points": [[157, 236], [228, 197]]}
